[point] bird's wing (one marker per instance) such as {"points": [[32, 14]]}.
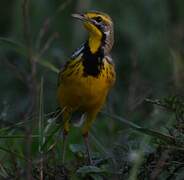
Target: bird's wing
{"points": [[69, 64]]}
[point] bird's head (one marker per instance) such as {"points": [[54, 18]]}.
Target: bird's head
{"points": [[96, 22], [99, 26]]}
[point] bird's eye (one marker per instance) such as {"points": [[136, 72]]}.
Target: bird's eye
{"points": [[98, 19]]}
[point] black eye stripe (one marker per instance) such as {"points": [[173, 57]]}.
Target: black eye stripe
{"points": [[98, 19]]}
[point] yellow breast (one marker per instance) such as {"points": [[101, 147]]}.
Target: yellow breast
{"points": [[85, 92]]}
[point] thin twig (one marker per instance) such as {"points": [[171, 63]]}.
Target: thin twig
{"points": [[45, 27], [48, 43], [31, 81]]}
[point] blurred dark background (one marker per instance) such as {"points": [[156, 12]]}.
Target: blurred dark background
{"points": [[148, 53], [148, 50]]}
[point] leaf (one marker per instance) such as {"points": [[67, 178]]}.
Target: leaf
{"points": [[89, 169], [75, 148], [52, 146], [3, 172], [96, 177]]}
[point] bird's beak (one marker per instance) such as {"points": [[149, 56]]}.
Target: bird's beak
{"points": [[80, 17]]}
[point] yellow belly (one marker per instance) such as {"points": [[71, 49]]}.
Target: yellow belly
{"points": [[86, 93], [83, 94]]}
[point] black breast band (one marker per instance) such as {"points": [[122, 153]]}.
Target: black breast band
{"points": [[92, 63]]}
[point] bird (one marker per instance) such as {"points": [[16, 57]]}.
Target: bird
{"points": [[87, 77]]}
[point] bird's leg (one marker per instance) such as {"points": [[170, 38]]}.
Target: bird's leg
{"points": [[86, 141], [65, 135], [87, 124]]}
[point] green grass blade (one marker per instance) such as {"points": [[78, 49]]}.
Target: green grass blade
{"points": [[49, 138], [21, 49], [48, 65], [18, 47], [150, 132], [17, 136], [41, 119], [14, 153]]}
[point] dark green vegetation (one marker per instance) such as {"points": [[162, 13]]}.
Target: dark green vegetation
{"points": [[37, 38]]}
